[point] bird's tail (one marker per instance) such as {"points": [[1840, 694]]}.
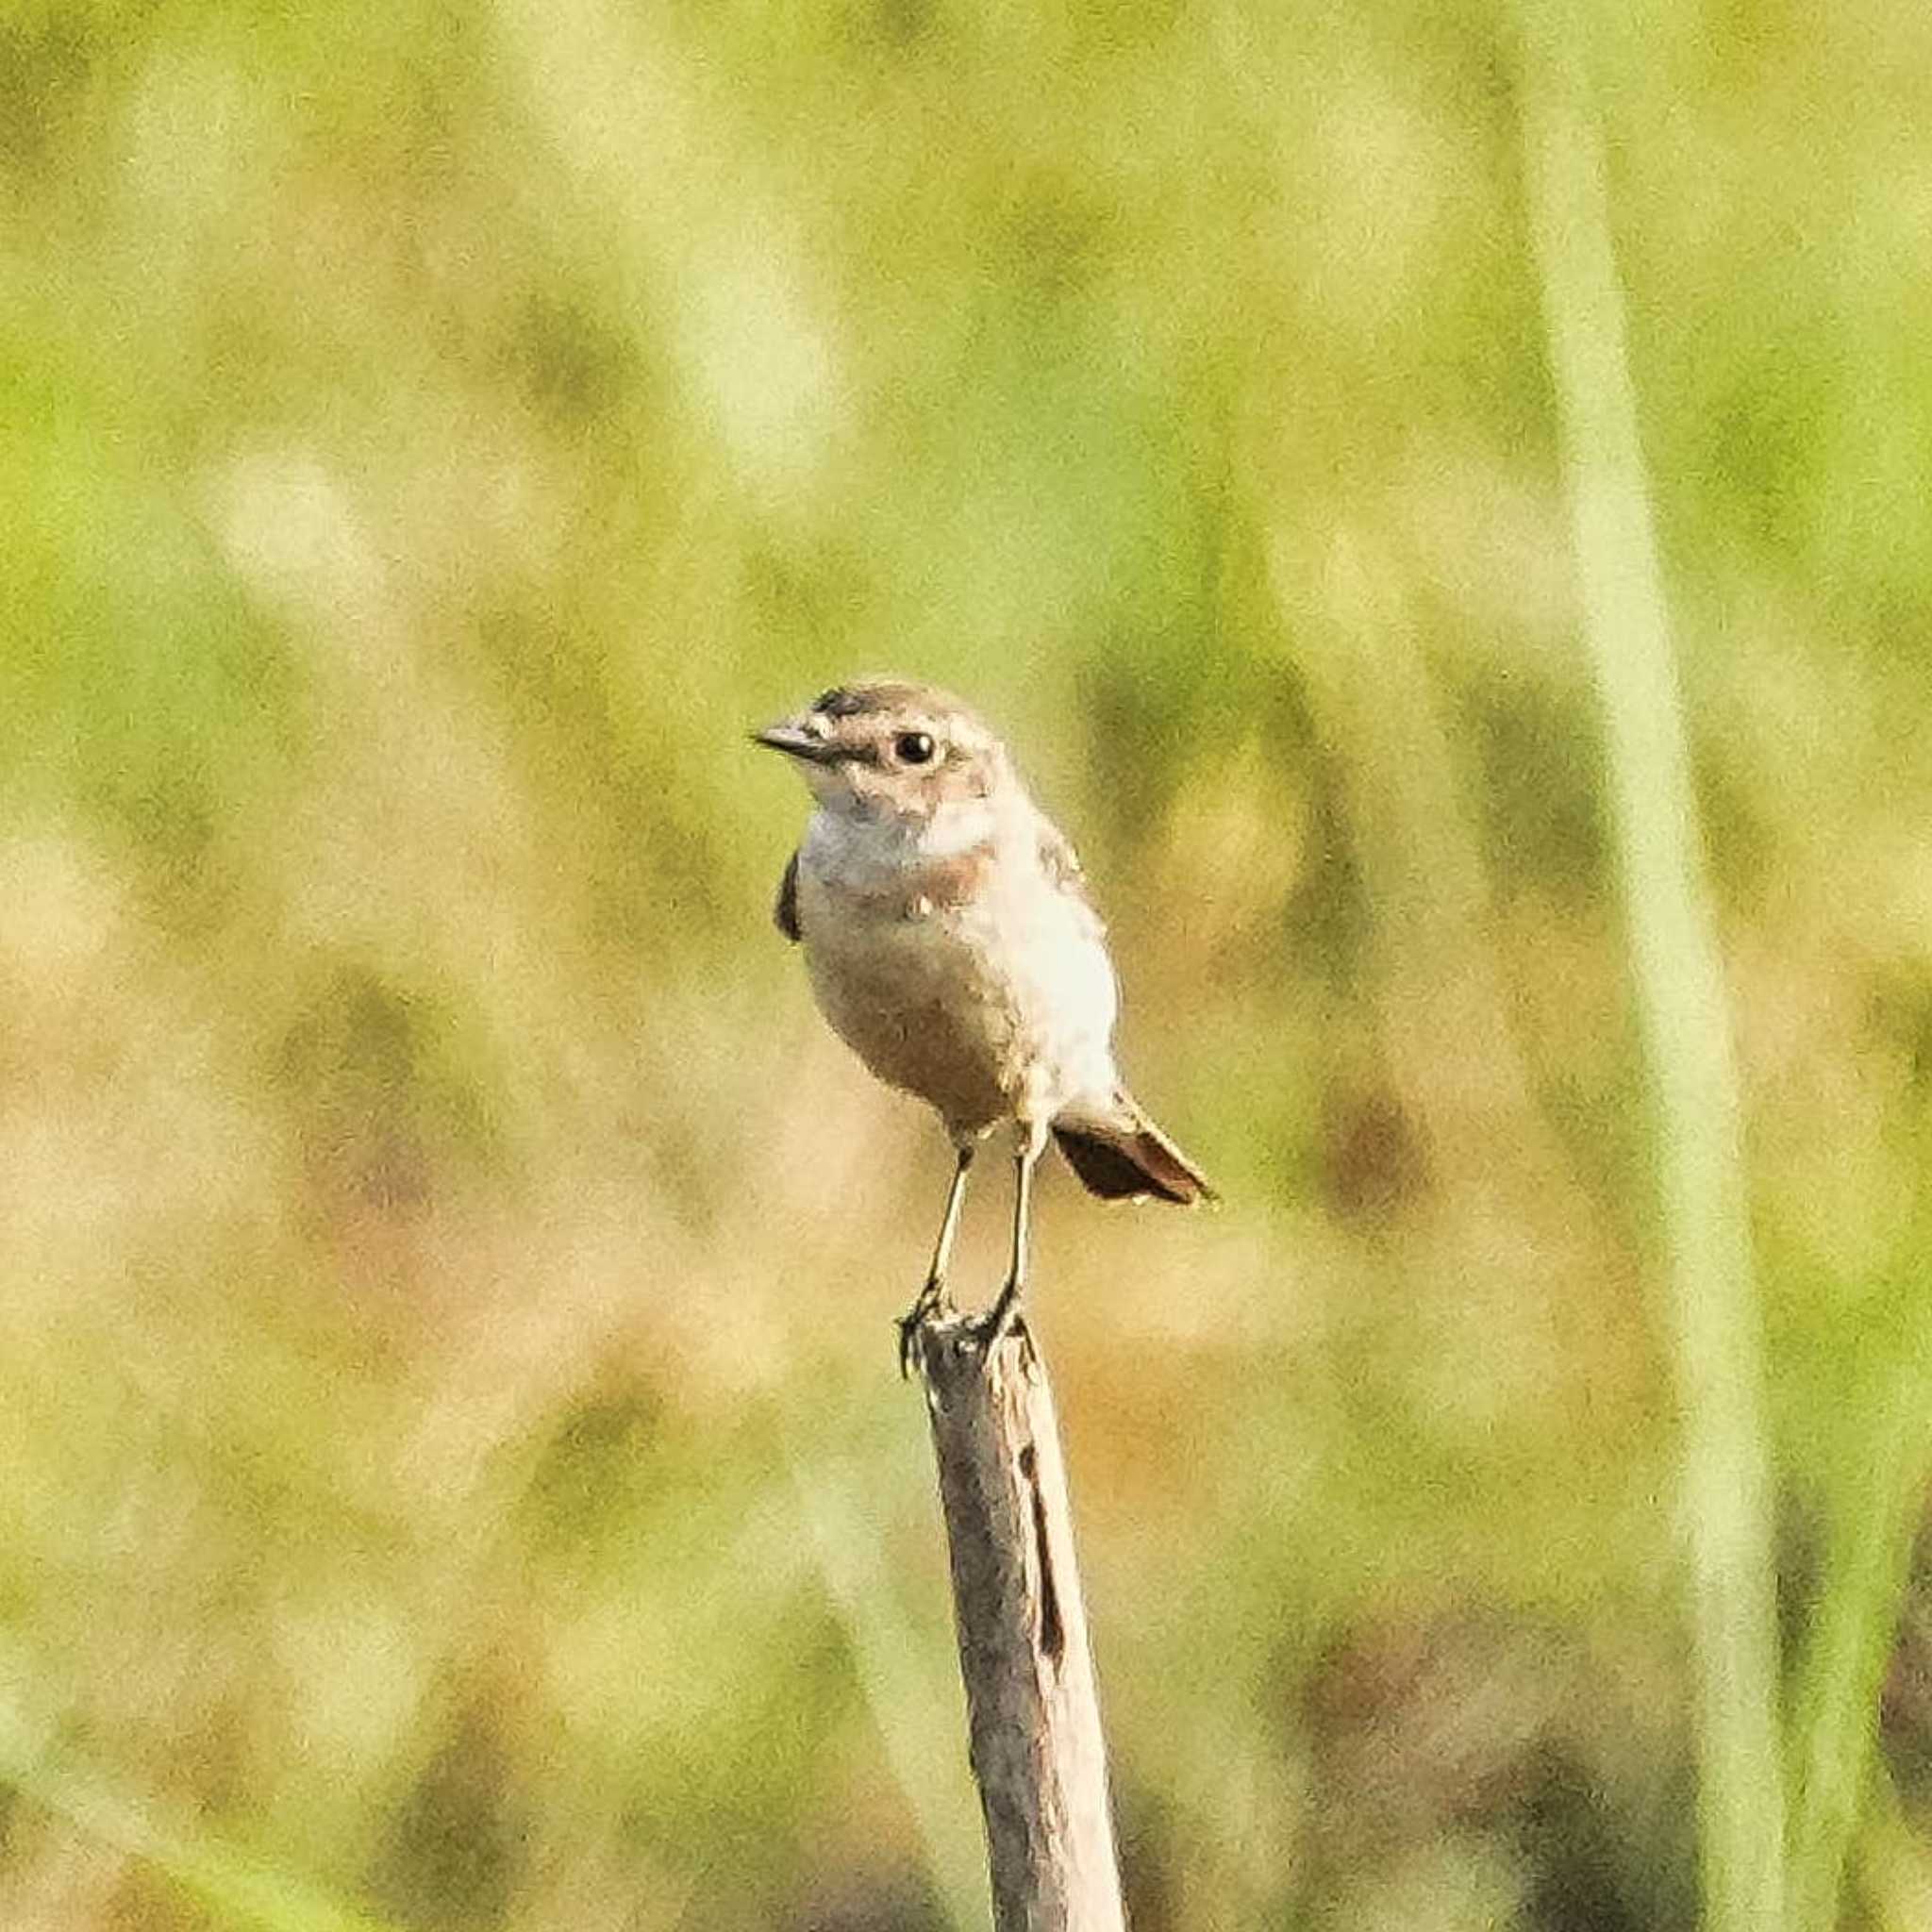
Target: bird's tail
{"points": [[1121, 1155]]}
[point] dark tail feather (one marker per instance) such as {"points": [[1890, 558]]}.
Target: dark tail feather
{"points": [[1126, 1156]]}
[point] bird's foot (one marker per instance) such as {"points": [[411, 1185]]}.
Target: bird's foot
{"points": [[930, 1299], [1000, 1319]]}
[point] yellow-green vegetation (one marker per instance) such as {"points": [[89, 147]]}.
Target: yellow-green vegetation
{"points": [[453, 1469]]}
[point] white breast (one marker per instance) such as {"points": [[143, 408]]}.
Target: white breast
{"points": [[955, 966]]}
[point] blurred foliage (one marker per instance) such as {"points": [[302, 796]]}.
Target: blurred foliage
{"points": [[450, 1459]]}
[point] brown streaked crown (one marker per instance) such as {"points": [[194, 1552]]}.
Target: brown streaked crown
{"points": [[893, 745], [884, 696]]}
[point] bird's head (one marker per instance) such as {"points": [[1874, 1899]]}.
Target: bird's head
{"points": [[888, 749]]}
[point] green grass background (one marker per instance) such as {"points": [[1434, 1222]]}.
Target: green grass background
{"points": [[452, 1470]]}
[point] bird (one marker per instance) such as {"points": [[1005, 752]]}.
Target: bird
{"points": [[953, 944]]}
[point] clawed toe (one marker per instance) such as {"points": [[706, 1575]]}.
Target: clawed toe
{"points": [[908, 1329], [931, 1297], [999, 1321], [986, 1332]]}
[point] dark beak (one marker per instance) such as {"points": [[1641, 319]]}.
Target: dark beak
{"points": [[796, 744]]}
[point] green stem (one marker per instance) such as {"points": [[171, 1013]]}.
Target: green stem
{"points": [[1712, 1318], [1875, 1509]]}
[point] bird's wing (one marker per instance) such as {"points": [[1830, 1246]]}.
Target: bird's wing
{"points": [[785, 913], [1061, 865]]}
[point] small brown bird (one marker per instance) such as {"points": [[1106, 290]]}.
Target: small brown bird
{"points": [[953, 945]]}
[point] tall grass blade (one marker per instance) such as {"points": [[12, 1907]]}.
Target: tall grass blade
{"points": [[922, 1727], [235, 1888], [1876, 1507], [1712, 1319]]}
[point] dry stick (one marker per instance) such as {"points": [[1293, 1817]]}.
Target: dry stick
{"points": [[1037, 1747]]}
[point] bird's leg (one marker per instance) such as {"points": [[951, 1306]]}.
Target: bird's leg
{"points": [[1006, 1310], [933, 1294]]}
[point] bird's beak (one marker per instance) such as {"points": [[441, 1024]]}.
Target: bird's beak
{"points": [[797, 742]]}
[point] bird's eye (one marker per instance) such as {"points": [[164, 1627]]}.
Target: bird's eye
{"points": [[913, 748]]}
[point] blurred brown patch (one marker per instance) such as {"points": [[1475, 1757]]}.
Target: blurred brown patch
{"points": [[1372, 1159]]}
